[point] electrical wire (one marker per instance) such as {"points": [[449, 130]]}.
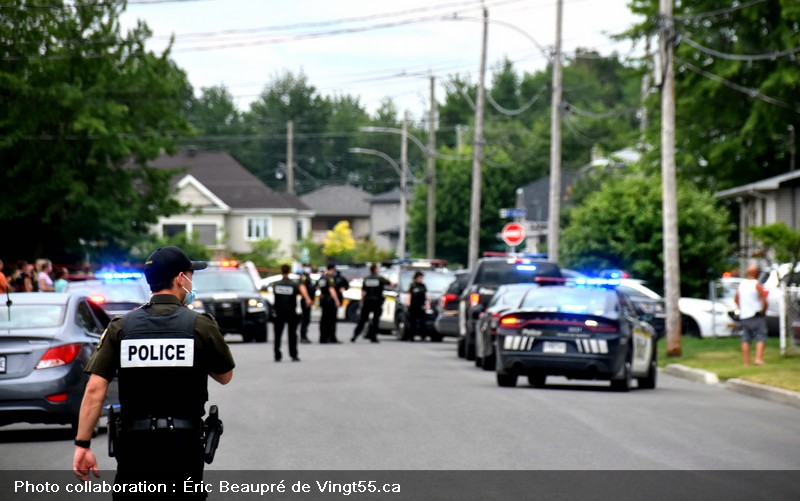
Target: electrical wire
{"points": [[739, 57], [718, 12]]}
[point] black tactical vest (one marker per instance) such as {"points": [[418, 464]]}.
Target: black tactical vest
{"points": [[161, 372], [373, 288]]}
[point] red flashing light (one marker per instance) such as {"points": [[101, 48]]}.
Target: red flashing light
{"points": [[58, 356], [98, 299]]}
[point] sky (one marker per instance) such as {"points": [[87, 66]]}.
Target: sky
{"points": [[370, 49]]}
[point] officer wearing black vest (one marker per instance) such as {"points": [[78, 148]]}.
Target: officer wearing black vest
{"points": [[305, 316], [372, 288], [286, 291], [162, 355], [418, 294], [329, 302]]}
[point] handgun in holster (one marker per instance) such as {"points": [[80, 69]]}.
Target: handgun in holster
{"points": [[114, 425], [212, 429]]}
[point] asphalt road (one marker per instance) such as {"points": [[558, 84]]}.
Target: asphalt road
{"points": [[417, 406]]}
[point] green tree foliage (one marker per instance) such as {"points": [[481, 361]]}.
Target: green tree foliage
{"points": [[737, 87], [265, 253], [216, 119], [779, 241], [620, 226], [367, 252], [308, 251], [80, 99]]}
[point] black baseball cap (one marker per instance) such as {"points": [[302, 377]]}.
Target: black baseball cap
{"points": [[167, 262]]}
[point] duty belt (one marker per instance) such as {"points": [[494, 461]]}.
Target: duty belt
{"points": [[162, 424]]}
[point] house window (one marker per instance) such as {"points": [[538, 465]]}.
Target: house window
{"points": [[171, 230], [258, 228], [206, 233], [300, 230]]}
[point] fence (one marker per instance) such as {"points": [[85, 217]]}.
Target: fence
{"points": [[789, 319]]}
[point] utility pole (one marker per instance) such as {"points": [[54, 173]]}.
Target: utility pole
{"points": [[477, 153], [290, 157], [643, 91], [554, 219], [401, 244], [431, 240], [672, 278]]}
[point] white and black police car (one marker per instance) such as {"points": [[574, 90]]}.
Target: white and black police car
{"points": [[587, 330]]}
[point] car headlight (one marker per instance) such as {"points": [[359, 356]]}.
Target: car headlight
{"points": [[255, 305], [647, 307], [197, 305]]}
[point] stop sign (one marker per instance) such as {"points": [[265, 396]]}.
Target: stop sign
{"points": [[513, 234]]}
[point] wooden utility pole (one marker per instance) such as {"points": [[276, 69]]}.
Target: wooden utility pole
{"points": [[431, 240], [554, 219], [477, 153], [290, 157], [672, 278], [401, 244]]}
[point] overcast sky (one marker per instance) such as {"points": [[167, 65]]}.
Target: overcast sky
{"points": [[371, 49]]}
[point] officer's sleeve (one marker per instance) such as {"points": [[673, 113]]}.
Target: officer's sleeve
{"points": [[105, 361], [218, 357]]}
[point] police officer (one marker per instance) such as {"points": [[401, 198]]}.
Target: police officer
{"points": [[371, 304], [305, 317], [162, 355], [329, 302], [416, 308], [286, 291]]}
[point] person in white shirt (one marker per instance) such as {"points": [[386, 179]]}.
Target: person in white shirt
{"points": [[751, 298]]}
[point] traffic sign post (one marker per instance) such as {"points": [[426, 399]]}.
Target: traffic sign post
{"points": [[513, 234]]}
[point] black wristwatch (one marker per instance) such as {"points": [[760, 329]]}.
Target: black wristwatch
{"points": [[83, 443]]}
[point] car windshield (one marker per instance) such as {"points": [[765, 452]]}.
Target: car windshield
{"points": [[511, 296], [504, 272], [112, 292], [435, 281], [28, 316], [583, 301], [215, 280]]}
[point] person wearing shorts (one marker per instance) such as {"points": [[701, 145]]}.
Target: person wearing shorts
{"points": [[751, 298]]}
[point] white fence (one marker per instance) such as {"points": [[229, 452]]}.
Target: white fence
{"points": [[789, 319]]}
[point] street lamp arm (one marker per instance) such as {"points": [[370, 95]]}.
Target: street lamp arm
{"points": [[420, 145], [381, 154]]}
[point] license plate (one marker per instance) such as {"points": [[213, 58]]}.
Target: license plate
{"points": [[2, 364], [554, 347]]}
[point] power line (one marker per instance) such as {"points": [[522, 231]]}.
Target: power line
{"points": [[739, 57], [718, 12]]}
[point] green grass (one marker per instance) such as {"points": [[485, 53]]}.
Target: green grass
{"points": [[723, 357]]}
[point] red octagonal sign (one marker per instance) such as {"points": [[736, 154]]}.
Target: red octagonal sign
{"points": [[513, 234]]}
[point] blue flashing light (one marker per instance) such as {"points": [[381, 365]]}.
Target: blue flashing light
{"points": [[526, 267], [120, 275], [606, 283]]}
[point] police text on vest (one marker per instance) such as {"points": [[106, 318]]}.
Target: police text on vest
{"points": [[157, 353]]}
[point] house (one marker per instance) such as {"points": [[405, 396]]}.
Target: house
{"points": [[230, 207], [772, 200], [335, 203]]}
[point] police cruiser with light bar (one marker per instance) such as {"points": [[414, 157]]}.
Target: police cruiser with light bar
{"points": [[588, 330]]}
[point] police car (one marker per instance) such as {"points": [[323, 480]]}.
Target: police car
{"points": [[228, 291], [116, 291], [588, 330]]}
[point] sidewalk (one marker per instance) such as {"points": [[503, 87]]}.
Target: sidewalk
{"points": [[739, 385]]}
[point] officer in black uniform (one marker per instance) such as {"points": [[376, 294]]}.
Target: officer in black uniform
{"points": [[371, 304], [311, 290], [416, 308], [162, 355], [286, 291], [329, 302]]}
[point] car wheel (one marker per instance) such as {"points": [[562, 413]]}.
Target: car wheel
{"points": [[506, 380], [537, 380], [470, 351], [690, 327], [462, 352], [478, 362], [436, 337], [625, 382], [489, 362], [400, 328], [257, 334], [649, 382], [352, 314]]}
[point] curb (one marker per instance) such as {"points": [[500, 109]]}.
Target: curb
{"points": [[764, 391], [692, 374], [739, 385]]}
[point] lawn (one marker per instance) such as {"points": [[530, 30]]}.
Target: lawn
{"points": [[723, 357]]}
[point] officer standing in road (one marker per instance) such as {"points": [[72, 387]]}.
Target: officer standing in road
{"points": [[371, 304], [162, 355], [286, 291], [329, 302], [311, 290], [416, 309]]}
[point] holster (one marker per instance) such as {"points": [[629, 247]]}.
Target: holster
{"points": [[114, 426], [212, 430]]}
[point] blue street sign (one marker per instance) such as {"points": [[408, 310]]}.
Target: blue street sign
{"points": [[513, 212]]}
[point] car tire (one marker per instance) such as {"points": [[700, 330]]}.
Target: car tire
{"points": [[400, 328], [537, 380], [436, 337], [257, 334], [462, 352], [469, 351], [478, 362], [506, 380], [649, 382], [624, 383], [489, 362]]}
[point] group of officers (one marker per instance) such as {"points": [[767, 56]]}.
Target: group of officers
{"points": [[162, 355], [331, 286]]}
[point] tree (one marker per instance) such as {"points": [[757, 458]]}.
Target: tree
{"points": [[217, 120], [619, 226], [85, 106], [265, 253], [339, 242], [780, 241]]}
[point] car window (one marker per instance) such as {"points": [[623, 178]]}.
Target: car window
{"points": [[503, 272], [630, 291], [584, 301], [231, 281], [86, 320], [435, 281], [32, 315]]}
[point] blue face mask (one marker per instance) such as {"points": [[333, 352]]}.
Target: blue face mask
{"points": [[189, 298]]}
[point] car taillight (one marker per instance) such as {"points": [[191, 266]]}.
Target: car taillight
{"points": [[474, 299], [58, 356], [446, 299], [98, 299], [510, 322]]}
